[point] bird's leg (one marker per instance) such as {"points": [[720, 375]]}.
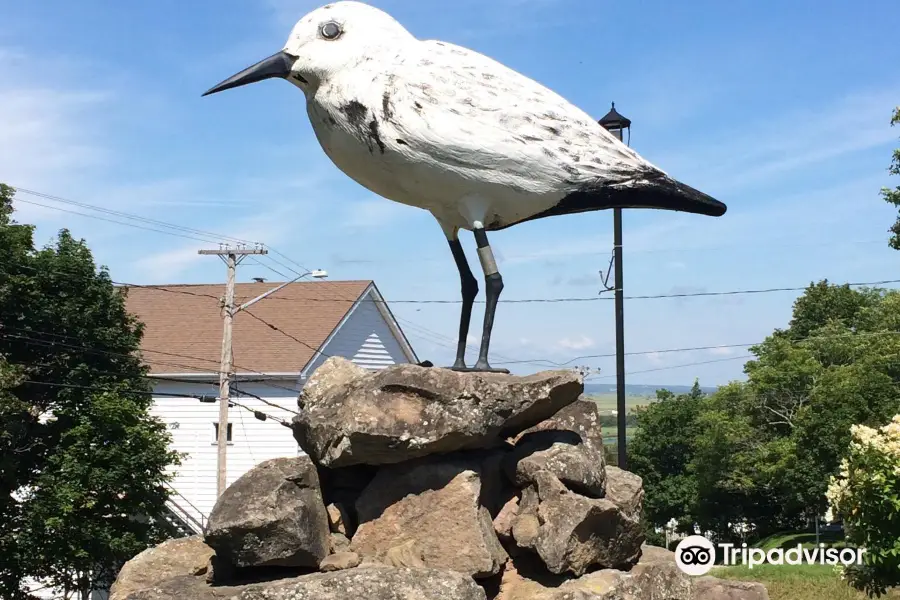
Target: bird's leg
{"points": [[469, 291], [493, 286]]}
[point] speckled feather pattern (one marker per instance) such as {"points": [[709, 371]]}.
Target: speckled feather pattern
{"points": [[441, 127]]}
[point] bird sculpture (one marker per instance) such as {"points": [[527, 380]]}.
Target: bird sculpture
{"points": [[444, 128]]}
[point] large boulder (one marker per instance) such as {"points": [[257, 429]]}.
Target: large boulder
{"points": [[430, 512], [576, 533], [712, 588], [579, 466], [569, 444], [625, 490], [581, 417], [172, 558], [654, 577], [273, 515], [352, 416], [363, 583]]}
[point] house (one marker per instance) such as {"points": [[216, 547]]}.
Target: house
{"points": [[277, 343]]}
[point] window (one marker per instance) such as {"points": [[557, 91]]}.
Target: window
{"points": [[215, 437]]}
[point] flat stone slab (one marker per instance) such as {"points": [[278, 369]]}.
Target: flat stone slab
{"points": [[351, 416], [362, 583]]}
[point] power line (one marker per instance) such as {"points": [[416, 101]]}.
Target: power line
{"points": [[202, 398], [520, 300], [693, 364], [131, 216], [99, 218], [49, 343], [260, 415], [316, 351], [149, 224], [263, 400], [113, 390], [287, 258], [448, 341], [601, 298], [279, 273], [697, 348]]}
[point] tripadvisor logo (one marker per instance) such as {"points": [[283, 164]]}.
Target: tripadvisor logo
{"points": [[696, 555]]}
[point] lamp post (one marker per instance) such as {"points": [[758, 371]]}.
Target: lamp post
{"points": [[617, 124]]}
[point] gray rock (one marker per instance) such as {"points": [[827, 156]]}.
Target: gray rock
{"points": [[272, 516], [339, 542], [579, 533], [657, 577], [578, 465], [337, 517], [363, 583], [712, 588], [569, 444], [625, 490], [654, 577], [339, 562], [503, 522], [429, 512], [581, 417], [172, 558], [352, 416]]}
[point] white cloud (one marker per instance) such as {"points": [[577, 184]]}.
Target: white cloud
{"points": [[721, 351], [376, 213], [654, 358], [167, 265], [579, 342], [759, 151]]}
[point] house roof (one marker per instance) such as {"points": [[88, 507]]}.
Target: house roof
{"points": [[183, 326]]}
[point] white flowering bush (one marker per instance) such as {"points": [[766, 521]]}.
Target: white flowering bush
{"points": [[866, 495]]}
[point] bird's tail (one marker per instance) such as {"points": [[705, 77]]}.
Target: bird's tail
{"points": [[655, 189]]}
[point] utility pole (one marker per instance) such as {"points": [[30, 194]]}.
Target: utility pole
{"points": [[616, 124], [620, 341], [232, 258]]}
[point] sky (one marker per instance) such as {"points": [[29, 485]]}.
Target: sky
{"points": [[780, 110]]}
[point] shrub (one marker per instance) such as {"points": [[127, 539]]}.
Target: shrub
{"points": [[866, 495]]}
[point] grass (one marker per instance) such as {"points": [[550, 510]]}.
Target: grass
{"points": [[798, 582], [785, 540], [607, 402]]}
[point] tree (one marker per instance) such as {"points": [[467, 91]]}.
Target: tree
{"points": [[662, 448], [82, 462], [893, 195], [833, 367], [866, 494], [755, 457]]}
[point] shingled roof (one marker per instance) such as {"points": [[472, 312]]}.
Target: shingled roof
{"points": [[183, 324]]}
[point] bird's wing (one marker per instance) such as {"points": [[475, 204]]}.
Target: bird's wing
{"points": [[463, 111]]}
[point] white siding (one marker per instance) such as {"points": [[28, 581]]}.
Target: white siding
{"points": [[365, 338], [190, 423]]}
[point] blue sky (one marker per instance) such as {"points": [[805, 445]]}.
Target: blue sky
{"points": [[781, 110]]}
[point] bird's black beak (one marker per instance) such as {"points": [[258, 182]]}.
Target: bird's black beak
{"points": [[277, 65]]}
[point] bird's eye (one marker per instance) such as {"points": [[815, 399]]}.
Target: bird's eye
{"points": [[331, 30]]}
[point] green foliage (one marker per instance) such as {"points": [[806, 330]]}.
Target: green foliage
{"points": [[893, 195], [660, 452], [82, 467], [866, 494], [758, 454]]}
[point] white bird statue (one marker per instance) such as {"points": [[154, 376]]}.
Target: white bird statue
{"points": [[449, 130]]}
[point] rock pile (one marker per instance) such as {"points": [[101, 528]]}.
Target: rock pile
{"points": [[428, 484]]}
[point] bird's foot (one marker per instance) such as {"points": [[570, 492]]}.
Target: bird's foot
{"points": [[480, 367]]}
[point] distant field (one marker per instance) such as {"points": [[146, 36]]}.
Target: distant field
{"points": [[607, 402], [610, 436]]}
